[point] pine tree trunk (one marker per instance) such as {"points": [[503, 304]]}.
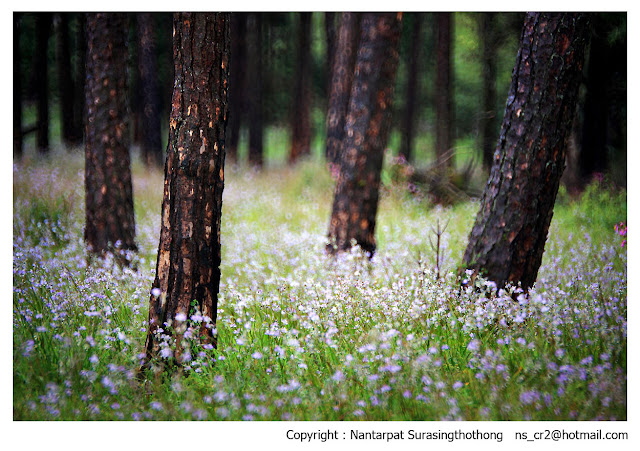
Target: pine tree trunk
{"points": [[43, 30], [444, 94], [188, 266], [300, 119], [341, 80], [256, 139], [236, 84], [355, 203], [488, 117], [507, 240], [110, 224], [151, 143], [17, 88], [412, 95]]}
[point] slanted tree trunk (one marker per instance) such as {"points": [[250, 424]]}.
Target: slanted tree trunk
{"points": [[355, 203], [411, 94], [300, 118], [110, 225], [71, 135], [17, 88], [150, 138], [488, 116], [188, 268], [507, 240], [237, 84], [256, 130], [341, 80], [444, 94], [43, 31]]}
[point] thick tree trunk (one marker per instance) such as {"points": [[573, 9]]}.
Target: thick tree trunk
{"points": [[43, 30], [71, 135], [236, 84], [188, 267], [444, 94], [355, 203], [488, 116], [150, 142], [256, 130], [341, 80], [17, 88], [300, 119], [412, 95], [507, 240], [110, 224]]}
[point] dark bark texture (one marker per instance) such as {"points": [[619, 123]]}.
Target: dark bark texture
{"points": [[256, 129], [355, 203], [300, 118], [17, 88], [341, 80], [488, 117], [507, 240], [444, 93], [188, 266], [150, 138], [411, 94], [110, 221], [43, 31]]}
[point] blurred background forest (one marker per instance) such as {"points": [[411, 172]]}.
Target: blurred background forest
{"points": [[281, 61]]}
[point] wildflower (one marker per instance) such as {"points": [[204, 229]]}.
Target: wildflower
{"points": [[457, 385], [94, 359], [473, 345], [256, 355]]}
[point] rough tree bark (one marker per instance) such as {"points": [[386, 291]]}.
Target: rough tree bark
{"points": [[341, 80], [110, 224], [300, 113], [507, 240], [412, 95], [355, 203], [150, 139], [188, 266], [256, 130], [444, 94]]}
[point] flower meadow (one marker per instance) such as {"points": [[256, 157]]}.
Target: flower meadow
{"points": [[304, 336]]}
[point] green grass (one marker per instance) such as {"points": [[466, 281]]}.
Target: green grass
{"points": [[305, 337]]}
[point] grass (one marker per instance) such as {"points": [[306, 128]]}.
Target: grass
{"points": [[305, 337]]}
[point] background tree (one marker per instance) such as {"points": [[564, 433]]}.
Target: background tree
{"points": [[110, 223], [488, 116], [17, 88], [355, 202], [256, 127], [507, 240], [80, 107], [300, 113], [70, 129], [330, 35], [41, 80], [237, 83], [411, 92], [341, 81], [188, 265], [444, 94], [150, 138]]}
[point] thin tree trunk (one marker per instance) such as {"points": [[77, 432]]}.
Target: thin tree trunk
{"points": [[341, 81], [355, 203], [300, 119], [444, 94], [43, 30], [80, 107], [256, 130], [236, 84], [71, 135], [412, 95], [188, 267], [488, 117], [110, 224], [151, 143], [330, 34], [507, 240], [17, 88]]}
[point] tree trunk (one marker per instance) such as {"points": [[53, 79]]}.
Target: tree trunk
{"points": [[256, 130], [507, 240], [188, 267], [444, 94], [80, 107], [330, 34], [43, 30], [151, 143], [71, 136], [341, 80], [488, 116], [300, 119], [236, 84], [355, 203], [110, 224], [17, 88], [412, 95]]}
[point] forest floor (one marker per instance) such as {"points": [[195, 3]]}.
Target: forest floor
{"points": [[302, 336]]}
